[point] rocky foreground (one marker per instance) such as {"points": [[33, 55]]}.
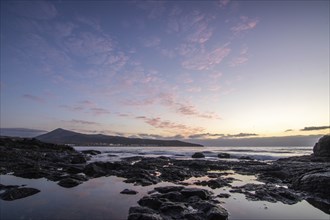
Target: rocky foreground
{"points": [[288, 180]]}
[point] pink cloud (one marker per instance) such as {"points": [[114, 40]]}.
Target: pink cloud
{"points": [[206, 60], [33, 98], [83, 122], [171, 126], [99, 111], [152, 42], [245, 24], [241, 59], [72, 108], [223, 3]]}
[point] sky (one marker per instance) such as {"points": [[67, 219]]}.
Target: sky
{"points": [[195, 70]]}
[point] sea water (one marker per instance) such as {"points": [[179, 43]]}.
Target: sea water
{"points": [[100, 198]]}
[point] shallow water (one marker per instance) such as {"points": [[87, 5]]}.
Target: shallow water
{"points": [[100, 198]]}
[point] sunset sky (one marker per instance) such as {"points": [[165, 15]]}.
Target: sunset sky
{"points": [[175, 69]]}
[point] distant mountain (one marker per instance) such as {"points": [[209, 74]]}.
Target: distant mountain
{"points": [[61, 136]]}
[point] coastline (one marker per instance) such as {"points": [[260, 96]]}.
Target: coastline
{"points": [[70, 169]]}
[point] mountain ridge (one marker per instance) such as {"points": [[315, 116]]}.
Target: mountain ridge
{"points": [[62, 136]]}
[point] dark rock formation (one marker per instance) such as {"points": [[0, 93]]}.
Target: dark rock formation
{"points": [[13, 193], [268, 192], [129, 192], [322, 147], [189, 203], [316, 182], [198, 155], [69, 182]]}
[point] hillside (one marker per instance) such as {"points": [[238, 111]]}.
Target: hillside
{"points": [[61, 136]]}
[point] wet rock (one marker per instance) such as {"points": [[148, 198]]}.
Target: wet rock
{"points": [[144, 216], [173, 196], [201, 193], [190, 206], [217, 213], [139, 209], [320, 204], [95, 170], [224, 155], [215, 183], [268, 192], [69, 182], [223, 195], [18, 193], [74, 169], [198, 155], [322, 147], [315, 182], [78, 159], [174, 210], [129, 192], [91, 152], [167, 189], [150, 202]]}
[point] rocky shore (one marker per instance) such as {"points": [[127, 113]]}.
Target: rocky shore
{"points": [[288, 180]]}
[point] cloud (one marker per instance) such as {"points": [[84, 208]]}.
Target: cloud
{"points": [[72, 108], [221, 136], [154, 9], [223, 3], [33, 98], [169, 126], [245, 24], [83, 122], [41, 10], [156, 136], [240, 135], [288, 130], [206, 60], [90, 21], [241, 59], [313, 128], [88, 44], [205, 135], [99, 111], [152, 42]]}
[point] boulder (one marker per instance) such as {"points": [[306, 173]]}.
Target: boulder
{"points": [[150, 202], [129, 192], [198, 155], [144, 216], [18, 193], [317, 182], [167, 189], [69, 182], [217, 213], [322, 147], [223, 195], [201, 193]]}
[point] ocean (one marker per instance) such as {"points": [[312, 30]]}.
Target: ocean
{"points": [[211, 153], [100, 198]]}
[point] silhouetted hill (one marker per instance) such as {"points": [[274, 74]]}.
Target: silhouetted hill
{"points": [[61, 136]]}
